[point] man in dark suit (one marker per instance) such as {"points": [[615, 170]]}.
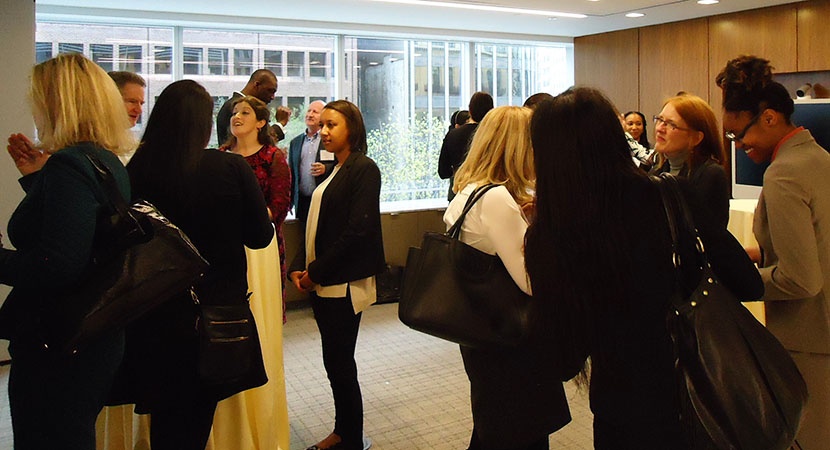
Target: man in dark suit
{"points": [[457, 141], [310, 163], [262, 85]]}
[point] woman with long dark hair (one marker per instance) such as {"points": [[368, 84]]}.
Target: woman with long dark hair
{"points": [[215, 199], [600, 223], [792, 226], [637, 127]]}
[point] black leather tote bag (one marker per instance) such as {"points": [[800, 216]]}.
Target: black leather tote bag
{"points": [[140, 261], [740, 386], [459, 293]]}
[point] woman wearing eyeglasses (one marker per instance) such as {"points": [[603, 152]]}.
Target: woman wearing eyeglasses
{"points": [[689, 145], [792, 226]]}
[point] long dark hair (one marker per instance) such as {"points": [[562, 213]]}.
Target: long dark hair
{"points": [[747, 85], [175, 137], [354, 122], [643, 137], [582, 162]]}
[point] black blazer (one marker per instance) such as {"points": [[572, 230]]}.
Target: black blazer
{"points": [[710, 184], [349, 243], [454, 149]]}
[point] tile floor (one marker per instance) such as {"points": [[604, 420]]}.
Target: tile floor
{"points": [[415, 391]]}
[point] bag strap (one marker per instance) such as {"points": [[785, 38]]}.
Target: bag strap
{"points": [[104, 175], [455, 229], [678, 213]]}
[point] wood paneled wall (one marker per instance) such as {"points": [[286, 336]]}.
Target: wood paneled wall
{"points": [[770, 33], [688, 55], [666, 54], [609, 62], [813, 36]]}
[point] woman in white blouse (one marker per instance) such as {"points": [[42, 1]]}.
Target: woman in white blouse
{"points": [[516, 401]]}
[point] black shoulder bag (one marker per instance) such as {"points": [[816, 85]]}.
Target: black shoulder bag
{"points": [[739, 387], [459, 293], [140, 260]]}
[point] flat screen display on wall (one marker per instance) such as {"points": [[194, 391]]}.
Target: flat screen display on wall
{"points": [[748, 177]]}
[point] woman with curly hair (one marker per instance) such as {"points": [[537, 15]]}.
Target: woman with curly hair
{"points": [[792, 226]]}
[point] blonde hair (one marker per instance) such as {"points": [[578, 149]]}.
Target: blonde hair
{"points": [[74, 100], [501, 153]]}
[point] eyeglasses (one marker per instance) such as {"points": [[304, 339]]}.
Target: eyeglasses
{"points": [[739, 138], [671, 125]]}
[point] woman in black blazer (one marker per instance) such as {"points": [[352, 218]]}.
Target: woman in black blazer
{"points": [[343, 253]]}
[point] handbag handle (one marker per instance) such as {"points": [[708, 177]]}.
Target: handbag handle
{"points": [[455, 229], [677, 210], [104, 175]]}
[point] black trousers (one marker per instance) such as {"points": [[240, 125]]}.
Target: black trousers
{"points": [[55, 399], [338, 325], [476, 444], [183, 425]]}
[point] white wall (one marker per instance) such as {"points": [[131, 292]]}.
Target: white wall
{"points": [[17, 33]]}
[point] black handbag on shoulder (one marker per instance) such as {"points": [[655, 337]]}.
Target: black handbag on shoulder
{"points": [[140, 260], [229, 349], [739, 387], [459, 293]]}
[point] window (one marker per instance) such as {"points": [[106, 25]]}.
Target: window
{"points": [[317, 64], [193, 60], [406, 88], [64, 47], [296, 64], [298, 104], [273, 61], [43, 51], [243, 61], [218, 61], [130, 58], [163, 59], [102, 55]]}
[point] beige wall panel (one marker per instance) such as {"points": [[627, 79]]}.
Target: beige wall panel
{"points": [[673, 57], [769, 33], [813, 35], [609, 61]]}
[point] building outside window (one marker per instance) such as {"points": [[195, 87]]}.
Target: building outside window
{"points": [[217, 61], [102, 55], [162, 60], [243, 61], [130, 58], [272, 60], [296, 64], [406, 88], [43, 51], [67, 47]]}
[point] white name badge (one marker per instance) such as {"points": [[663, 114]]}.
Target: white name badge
{"points": [[326, 155]]}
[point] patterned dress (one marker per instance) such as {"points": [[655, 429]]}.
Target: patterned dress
{"points": [[274, 176]]}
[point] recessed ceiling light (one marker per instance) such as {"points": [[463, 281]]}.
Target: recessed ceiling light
{"points": [[501, 9], [707, 2], [634, 15]]}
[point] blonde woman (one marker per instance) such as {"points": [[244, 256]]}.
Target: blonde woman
{"points": [[517, 401], [78, 110]]}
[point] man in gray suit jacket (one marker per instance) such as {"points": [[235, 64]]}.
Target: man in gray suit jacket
{"points": [[309, 161]]}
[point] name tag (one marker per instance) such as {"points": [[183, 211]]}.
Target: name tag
{"points": [[326, 155]]}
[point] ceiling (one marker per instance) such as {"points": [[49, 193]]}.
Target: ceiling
{"points": [[387, 16]]}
